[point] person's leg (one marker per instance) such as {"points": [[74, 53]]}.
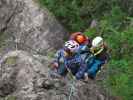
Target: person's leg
{"points": [[62, 70], [80, 72], [83, 69], [89, 63], [94, 68]]}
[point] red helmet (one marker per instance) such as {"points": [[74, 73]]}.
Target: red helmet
{"points": [[79, 37]]}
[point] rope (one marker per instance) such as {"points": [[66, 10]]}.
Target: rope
{"points": [[72, 84], [72, 89]]}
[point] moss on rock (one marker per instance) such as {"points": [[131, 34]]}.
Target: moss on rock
{"points": [[11, 60]]}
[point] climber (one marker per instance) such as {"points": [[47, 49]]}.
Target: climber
{"points": [[69, 58], [98, 58], [84, 43]]}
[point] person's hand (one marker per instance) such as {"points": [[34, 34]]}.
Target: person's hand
{"points": [[55, 65], [86, 77]]}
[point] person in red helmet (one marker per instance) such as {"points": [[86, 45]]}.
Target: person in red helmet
{"points": [[84, 42]]}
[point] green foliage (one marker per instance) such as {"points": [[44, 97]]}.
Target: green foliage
{"points": [[118, 32], [90, 32], [66, 11], [116, 27], [76, 15], [120, 78]]}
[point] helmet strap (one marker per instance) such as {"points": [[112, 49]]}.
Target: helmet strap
{"points": [[68, 54], [98, 52]]}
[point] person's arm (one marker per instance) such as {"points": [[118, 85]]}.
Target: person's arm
{"points": [[55, 62], [80, 74]]}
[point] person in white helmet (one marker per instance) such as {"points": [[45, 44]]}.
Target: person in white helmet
{"points": [[69, 58], [99, 57]]}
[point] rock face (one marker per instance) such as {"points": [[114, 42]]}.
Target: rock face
{"points": [[25, 78], [30, 33], [30, 26], [19, 73]]}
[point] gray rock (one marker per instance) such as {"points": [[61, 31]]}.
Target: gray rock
{"points": [[33, 28], [26, 78]]}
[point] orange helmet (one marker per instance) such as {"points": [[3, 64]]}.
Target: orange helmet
{"points": [[81, 38], [78, 37]]}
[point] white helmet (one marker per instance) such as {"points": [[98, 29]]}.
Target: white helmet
{"points": [[97, 41], [72, 45]]}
